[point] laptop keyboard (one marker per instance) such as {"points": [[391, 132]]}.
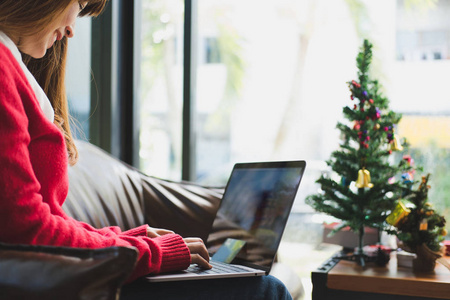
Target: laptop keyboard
{"points": [[218, 268]]}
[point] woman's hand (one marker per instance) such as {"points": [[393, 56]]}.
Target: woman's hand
{"points": [[199, 254], [155, 232]]}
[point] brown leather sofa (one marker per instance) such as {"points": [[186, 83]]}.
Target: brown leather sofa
{"points": [[104, 191]]}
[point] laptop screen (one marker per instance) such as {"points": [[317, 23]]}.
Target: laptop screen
{"points": [[256, 206]]}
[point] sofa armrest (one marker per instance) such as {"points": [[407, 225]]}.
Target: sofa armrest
{"points": [[48, 272]]}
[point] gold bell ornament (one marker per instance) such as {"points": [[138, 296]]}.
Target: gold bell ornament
{"points": [[363, 180], [396, 145]]}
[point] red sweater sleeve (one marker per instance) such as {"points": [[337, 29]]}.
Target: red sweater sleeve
{"points": [[115, 230], [34, 184]]}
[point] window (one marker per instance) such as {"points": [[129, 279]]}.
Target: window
{"points": [[161, 92], [78, 77], [422, 31], [269, 83], [418, 87]]}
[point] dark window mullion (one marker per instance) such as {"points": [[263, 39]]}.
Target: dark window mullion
{"points": [[100, 120], [113, 89], [189, 87], [125, 81]]}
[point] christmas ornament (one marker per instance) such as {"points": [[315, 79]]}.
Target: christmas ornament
{"points": [[407, 178], [423, 225], [363, 180], [345, 182], [396, 145], [398, 214], [409, 160]]}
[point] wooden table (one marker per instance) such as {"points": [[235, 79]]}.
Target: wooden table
{"points": [[338, 279]]}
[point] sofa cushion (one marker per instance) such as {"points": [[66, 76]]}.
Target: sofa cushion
{"points": [[104, 191], [185, 208]]}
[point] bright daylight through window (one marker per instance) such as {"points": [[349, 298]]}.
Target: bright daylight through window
{"points": [[271, 84]]}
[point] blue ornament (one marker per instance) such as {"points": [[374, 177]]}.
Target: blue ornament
{"points": [[345, 182], [407, 178]]}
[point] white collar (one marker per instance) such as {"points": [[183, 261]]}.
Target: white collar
{"points": [[45, 104]]}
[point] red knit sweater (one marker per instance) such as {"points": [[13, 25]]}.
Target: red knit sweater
{"points": [[34, 184]]}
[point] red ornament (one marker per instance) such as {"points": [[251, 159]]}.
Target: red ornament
{"points": [[371, 101], [408, 158], [356, 84]]}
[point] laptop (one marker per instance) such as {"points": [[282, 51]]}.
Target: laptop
{"points": [[256, 205]]}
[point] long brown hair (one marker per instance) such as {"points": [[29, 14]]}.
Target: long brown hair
{"points": [[27, 17]]}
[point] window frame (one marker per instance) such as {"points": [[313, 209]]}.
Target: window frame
{"points": [[116, 68]]}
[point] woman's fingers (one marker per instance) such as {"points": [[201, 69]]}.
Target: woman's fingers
{"points": [[161, 231], [155, 232], [199, 260], [199, 253]]}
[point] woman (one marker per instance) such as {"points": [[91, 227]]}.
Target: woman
{"points": [[36, 145]]}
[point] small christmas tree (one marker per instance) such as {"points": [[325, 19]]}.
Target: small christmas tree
{"points": [[417, 222], [363, 158], [419, 227]]}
